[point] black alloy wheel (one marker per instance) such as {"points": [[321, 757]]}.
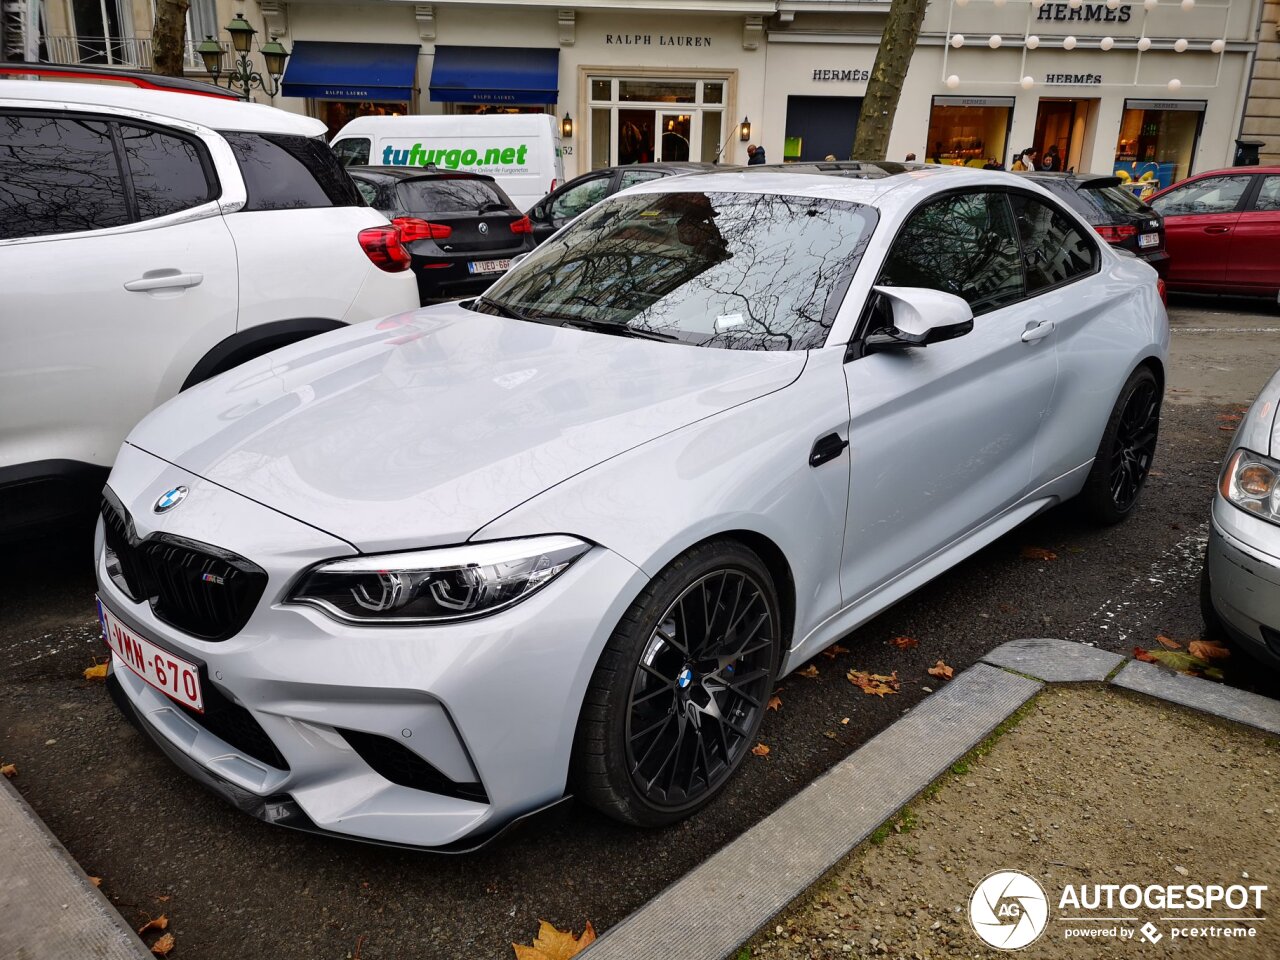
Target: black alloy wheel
{"points": [[1125, 453], [680, 691]]}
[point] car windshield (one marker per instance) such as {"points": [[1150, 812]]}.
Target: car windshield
{"points": [[1117, 202], [743, 271], [423, 197]]}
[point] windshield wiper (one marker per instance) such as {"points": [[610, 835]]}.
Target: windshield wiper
{"points": [[617, 330], [504, 310]]}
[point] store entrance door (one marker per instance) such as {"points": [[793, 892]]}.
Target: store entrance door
{"points": [[1067, 125], [821, 127]]}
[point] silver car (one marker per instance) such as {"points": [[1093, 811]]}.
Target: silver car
{"points": [[1241, 586], [414, 579]]}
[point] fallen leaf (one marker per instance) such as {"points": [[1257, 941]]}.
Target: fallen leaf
{"points": [[1038, 553], [876, 684], [1168, 643], [845, 721], [165, 899], [162, 946], [1229, 417], [553, 944], [97, 672], [905, 643], [829, 734], [1208, 650], [834, 651], [775, 703], [96, 881], [760, 750], [810, 671], [1155, 473], [1226, 428], [159, 923], [1143, 655], [940, 669], [10, 770], [1187, 663]]}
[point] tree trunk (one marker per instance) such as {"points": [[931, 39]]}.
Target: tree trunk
{"points": [[901, 30], [168, 37]]}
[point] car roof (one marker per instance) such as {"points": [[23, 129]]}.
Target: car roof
{"points": [[429, 172], [206, 111], [1272, 170], [1077, 181]]}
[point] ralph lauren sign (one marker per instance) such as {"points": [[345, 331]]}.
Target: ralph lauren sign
{"points": [[652, 40]]}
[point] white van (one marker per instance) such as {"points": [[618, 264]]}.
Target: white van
{"points": [[519, 150]]}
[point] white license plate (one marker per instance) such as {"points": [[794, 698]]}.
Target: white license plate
{"points": [[489, 266], [171, 675], [1149, 240]]}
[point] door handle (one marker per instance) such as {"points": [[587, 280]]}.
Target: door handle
{"points": [[827, 448], [1217, 229], [1037, 331], [163, 280]]}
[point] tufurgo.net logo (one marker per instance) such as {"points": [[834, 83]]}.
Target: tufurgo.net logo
{"points": [[454, 158]]}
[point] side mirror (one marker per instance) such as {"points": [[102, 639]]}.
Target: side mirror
{"points": [[921, 316]]}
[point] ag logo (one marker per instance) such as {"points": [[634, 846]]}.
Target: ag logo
{"points": [[1008, 910]]}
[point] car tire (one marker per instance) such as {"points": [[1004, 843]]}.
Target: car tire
{"points": [[650, 748], [1128, 445]]}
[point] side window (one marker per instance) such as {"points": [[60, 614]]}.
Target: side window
{"points": [[1268, 194], [1210, 195], [291, 173], [579, 199], [962, 244], [1054, 248], [352, 150], [168, 171], [631, 177], [368, 191], [58, 175]]}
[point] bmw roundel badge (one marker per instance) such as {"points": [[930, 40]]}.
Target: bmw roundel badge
{"points": [[170, 499], [484, 228]]}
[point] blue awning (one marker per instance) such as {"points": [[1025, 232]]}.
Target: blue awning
{"points": [[515, 75], [351, 71]]}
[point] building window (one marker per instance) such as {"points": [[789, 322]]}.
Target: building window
{"points": [[485, 109], [104, 33], [969, 131], [338, 113], [648, 119], [1157, 143]]}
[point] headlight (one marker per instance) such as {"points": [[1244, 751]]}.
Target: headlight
{"points": [[1252, 482], [435, 586]]}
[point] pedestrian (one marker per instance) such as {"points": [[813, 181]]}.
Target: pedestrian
{"points": [[755, 155], [1019, 165], [911, 158], [1029, 157], [829, 158], [1052, 161]]}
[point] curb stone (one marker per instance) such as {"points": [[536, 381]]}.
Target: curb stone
{"points": [[720, 904], [48, 908]]}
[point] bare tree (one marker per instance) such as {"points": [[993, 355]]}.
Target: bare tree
{"points": [[898, 43], [169, 36]]}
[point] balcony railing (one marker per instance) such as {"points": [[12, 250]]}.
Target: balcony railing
{"points": [[112, 52]]}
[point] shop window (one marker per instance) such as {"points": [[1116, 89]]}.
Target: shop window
{"points": [[964, 245], [1157, 145], [631, 120], [1055, 249], [970, 132], [338, 113], [657, 91]]}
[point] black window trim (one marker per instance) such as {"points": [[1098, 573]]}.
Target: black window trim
{"points": [[1253, 192], [854, 348], [113, 122]]}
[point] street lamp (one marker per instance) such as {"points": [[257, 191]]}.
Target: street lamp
{"points": [[242, 74]]}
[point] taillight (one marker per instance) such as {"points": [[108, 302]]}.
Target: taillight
{"points": [[523, 225], [412, 228], [1163, 291], [553, 185], [1117, 234], [382, 246]]}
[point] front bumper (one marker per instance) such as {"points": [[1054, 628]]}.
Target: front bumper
{"points": [[1244, 579], [492, 702]]}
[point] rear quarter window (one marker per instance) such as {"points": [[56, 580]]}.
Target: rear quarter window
{"points": [[448, 195], [284, 172]]}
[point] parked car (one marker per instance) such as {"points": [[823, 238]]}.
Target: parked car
{"points": [[582, 193], [1223, 231], [148, 241], [522, 151], [1240, 589], [1120, 218], [461, 229], [416, 580]]}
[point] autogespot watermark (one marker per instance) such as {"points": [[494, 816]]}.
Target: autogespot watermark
{"points": [[1009, 910]]}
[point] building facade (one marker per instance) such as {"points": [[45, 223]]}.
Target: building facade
{"points": [[1154, 88]]}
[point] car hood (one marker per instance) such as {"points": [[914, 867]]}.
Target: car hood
{"points": [[419, 429]]}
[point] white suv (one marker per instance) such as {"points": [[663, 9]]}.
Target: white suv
{"points": [[149, 240]]}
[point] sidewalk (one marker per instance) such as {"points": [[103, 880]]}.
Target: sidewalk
{"points": [[1090, 786]]}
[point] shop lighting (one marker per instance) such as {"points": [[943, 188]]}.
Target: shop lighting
{"points": [[1028, 83], [744, 130], [1180, 46], [1175, 85], [1144, 44], [1106, 43], [1031, 42], [995, 41], [566, 126], [957, 40], [1218, 46], [1068, 43], [953, 81]]}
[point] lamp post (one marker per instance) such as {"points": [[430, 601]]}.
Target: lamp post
{"points": [[242, 74]]}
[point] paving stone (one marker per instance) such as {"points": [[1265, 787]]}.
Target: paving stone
{"points": [[1205, 695], [1055, 661]]}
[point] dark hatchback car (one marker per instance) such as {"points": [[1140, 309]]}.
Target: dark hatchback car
{"points": [[460, 229], [1120, 218], [577, 196]]}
